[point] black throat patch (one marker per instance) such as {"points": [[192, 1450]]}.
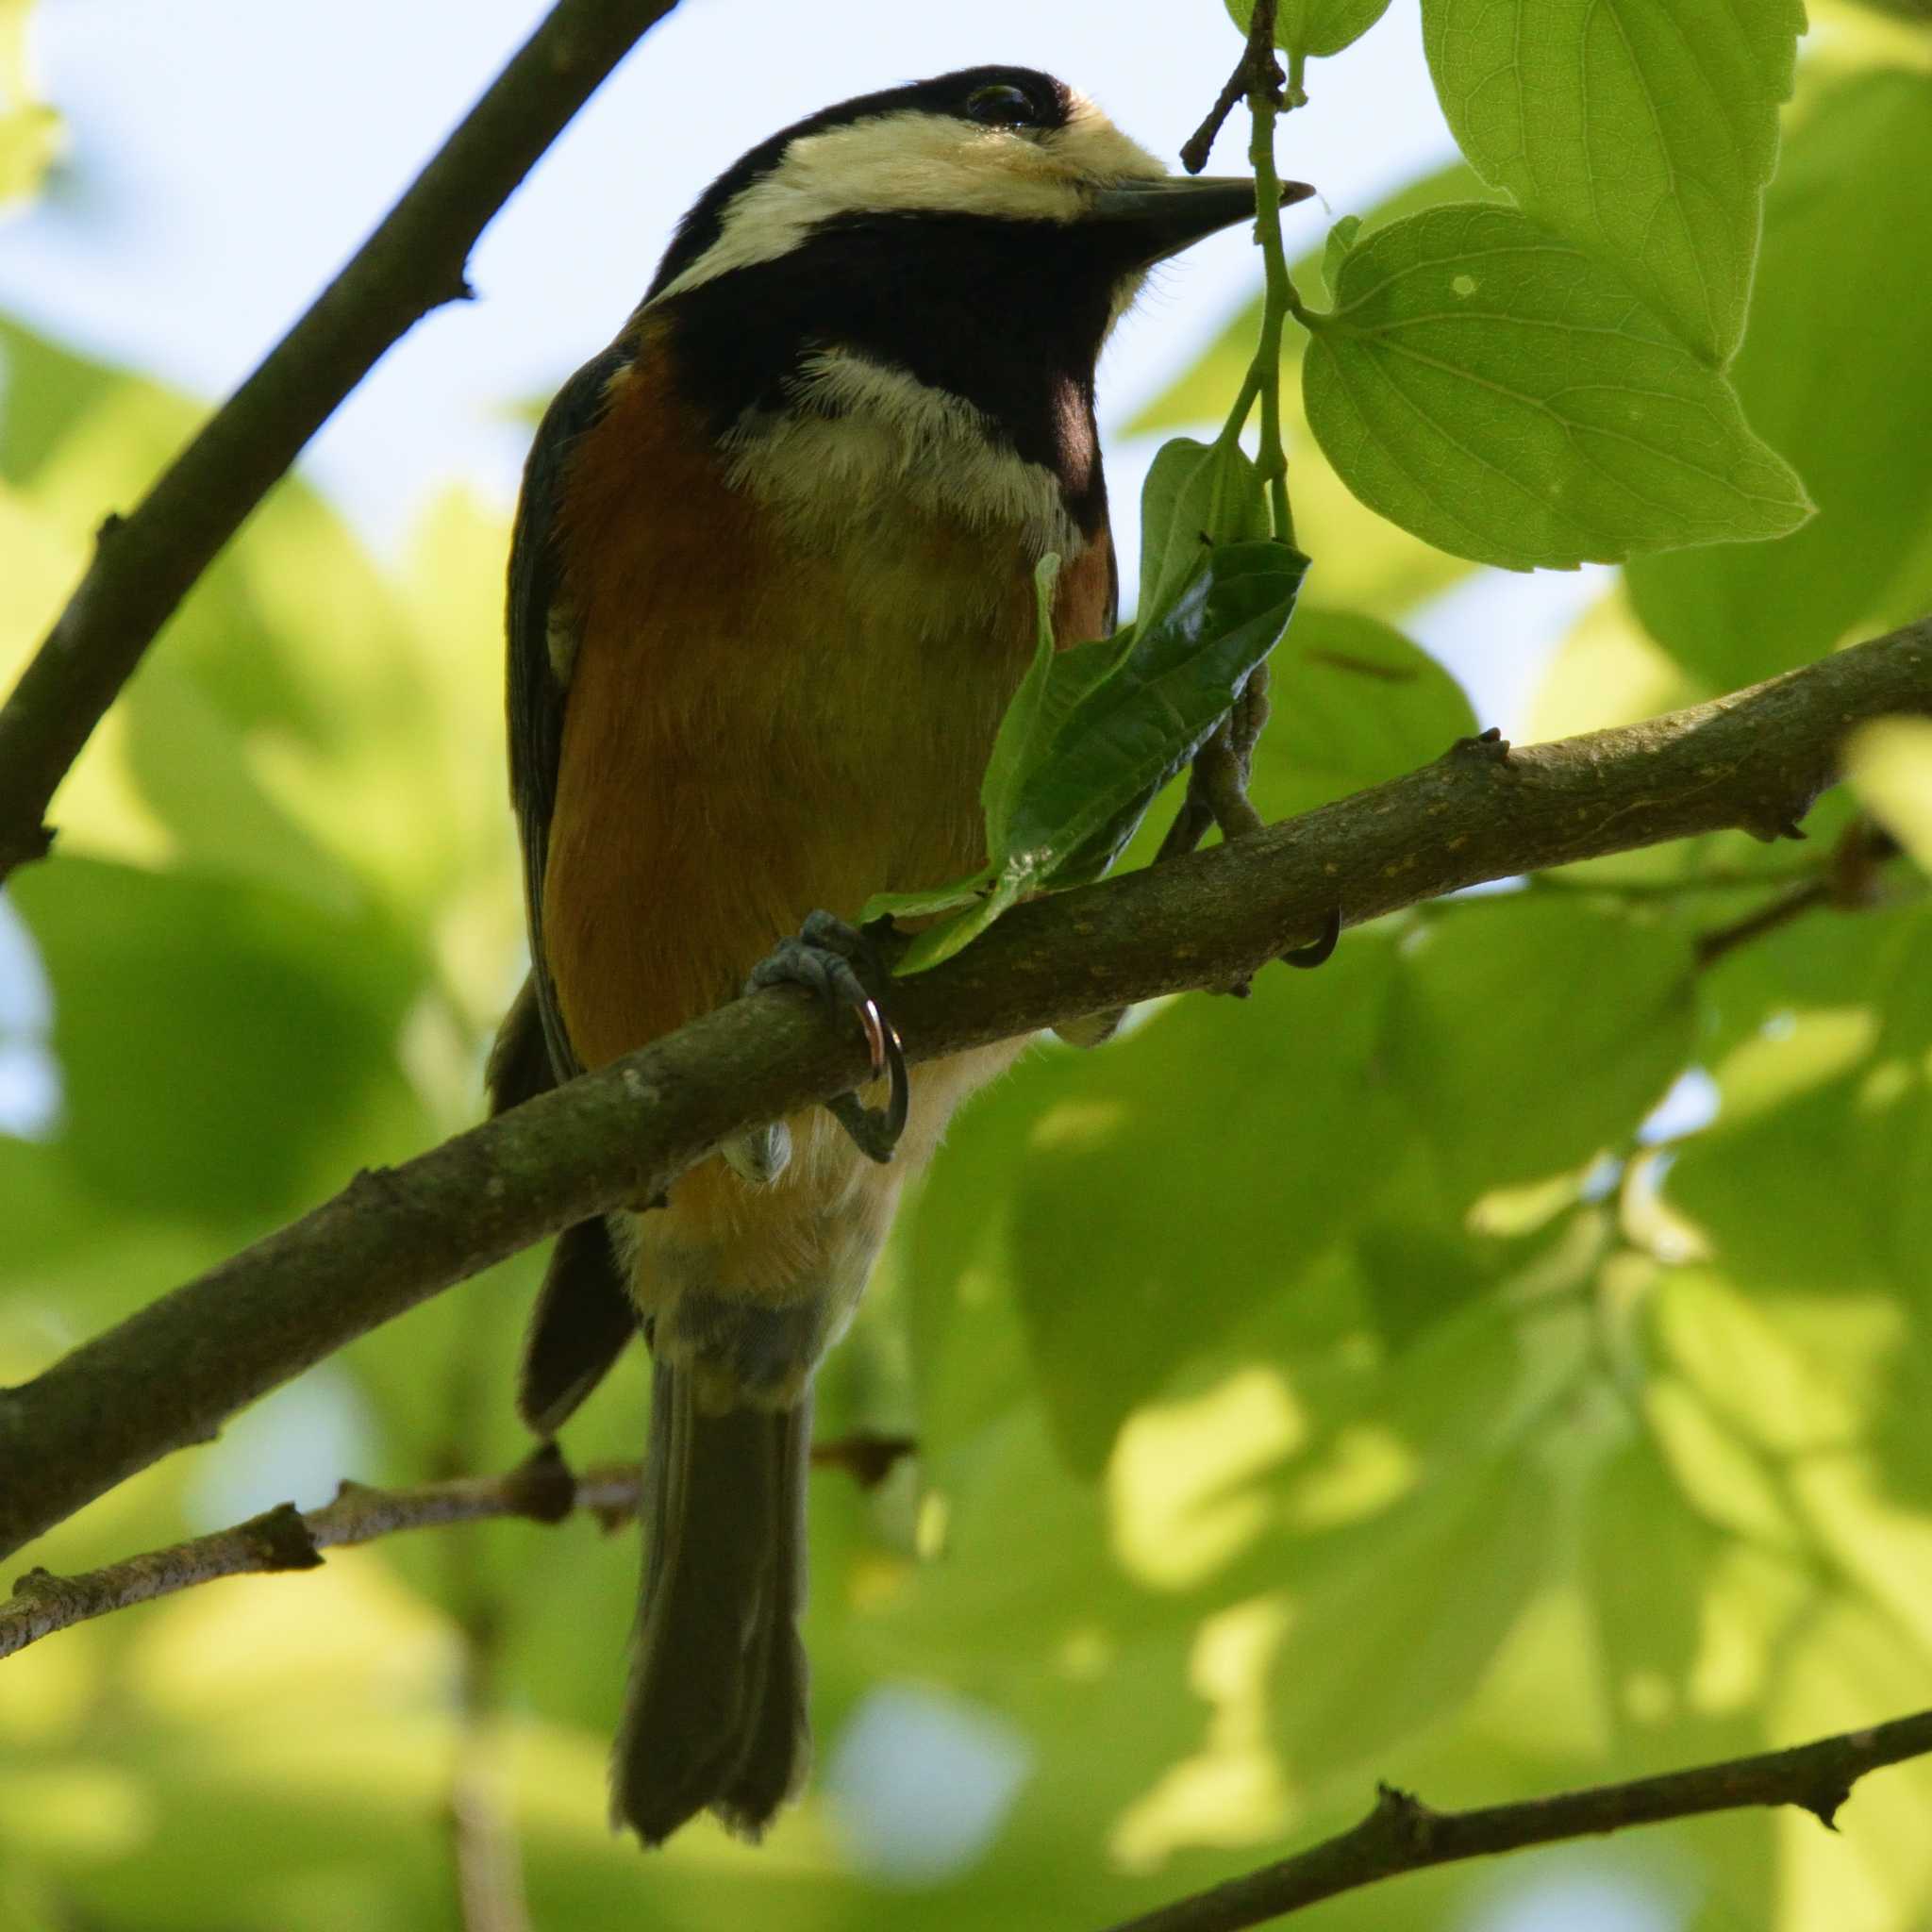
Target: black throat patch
{"points": [[1006, 315]]}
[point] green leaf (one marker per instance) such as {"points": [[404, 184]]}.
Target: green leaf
{"points": [[1643, 134], [1014, 740], [1197, 495], [1056, 681], [1366, 561], [922, 905], [1320, 28], [1122, 741], [1501, 396], [1834, 374], [1097, 730], [1203, 393], [1335, 251], [1530, 1034], [941, 942]]}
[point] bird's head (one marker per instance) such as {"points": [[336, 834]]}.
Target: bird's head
{"points": [[903, 298], [1006, 150]]}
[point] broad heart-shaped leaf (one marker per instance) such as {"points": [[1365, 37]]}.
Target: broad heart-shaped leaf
{"points": [[1503, 396], [1641, 130], [1140, 724], [1834, 373], [1197, 494], [1315, 26]]}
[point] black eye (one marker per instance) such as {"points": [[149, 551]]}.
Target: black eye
{"points": [[1002, 105]]}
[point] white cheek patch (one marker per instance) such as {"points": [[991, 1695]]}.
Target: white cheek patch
{"points": [[911, 162], [864, 441]]}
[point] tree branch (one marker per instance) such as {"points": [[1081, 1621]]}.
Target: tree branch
{"points": [[1402, 1834], [145, 563], [542, 1488], [173, 1373]]}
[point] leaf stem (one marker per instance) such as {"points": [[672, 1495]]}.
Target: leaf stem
{"points": [[1264, 375]]}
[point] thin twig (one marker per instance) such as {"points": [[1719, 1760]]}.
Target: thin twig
{"points": [[542, 1488], [1256, 68], [145, 563], [1402, 1834], [173, 1373]]}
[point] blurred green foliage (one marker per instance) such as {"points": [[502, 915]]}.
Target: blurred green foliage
{"points": [[1340, 1384]]}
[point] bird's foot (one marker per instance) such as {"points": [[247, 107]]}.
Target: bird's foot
{"points": [[842, 966]]}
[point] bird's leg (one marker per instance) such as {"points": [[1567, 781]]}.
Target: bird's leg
{"points": [[842, 965]]}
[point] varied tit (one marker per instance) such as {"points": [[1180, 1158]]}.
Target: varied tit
{"points": [[769, 591]]}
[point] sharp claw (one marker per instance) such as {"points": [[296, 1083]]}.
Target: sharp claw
{"points": [[1323, 950], [821, 957], [874, 1024]]}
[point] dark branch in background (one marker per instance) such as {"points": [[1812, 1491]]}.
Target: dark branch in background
{"points": [[1850, 883], [171, 1374], [542, 1488], [146, 562], [1402, 1835]]}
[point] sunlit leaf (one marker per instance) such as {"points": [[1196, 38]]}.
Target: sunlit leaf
{"points": [[1196, 496], [1315, 26], [1642, 133], [1497, 393]]}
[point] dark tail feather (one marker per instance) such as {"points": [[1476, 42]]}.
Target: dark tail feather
{"points": [[716, 1711], [583, 1320]]}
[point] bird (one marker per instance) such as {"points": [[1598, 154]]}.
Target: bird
{"points": [[771, 589]]}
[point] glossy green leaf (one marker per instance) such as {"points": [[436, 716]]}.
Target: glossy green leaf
{"points": [[1497, 393], [1642, 132], [1131, 731], [1531, 1036], [1097, 730], [1314, 27], [1834, 375], [1197, 495]]}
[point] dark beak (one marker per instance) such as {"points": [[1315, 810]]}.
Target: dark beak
{"points": [[1175, 213]]}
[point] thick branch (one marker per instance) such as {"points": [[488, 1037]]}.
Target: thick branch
{"points": [[1402, 1835], [145, 563], [171, 1374], [542, 1489]]}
